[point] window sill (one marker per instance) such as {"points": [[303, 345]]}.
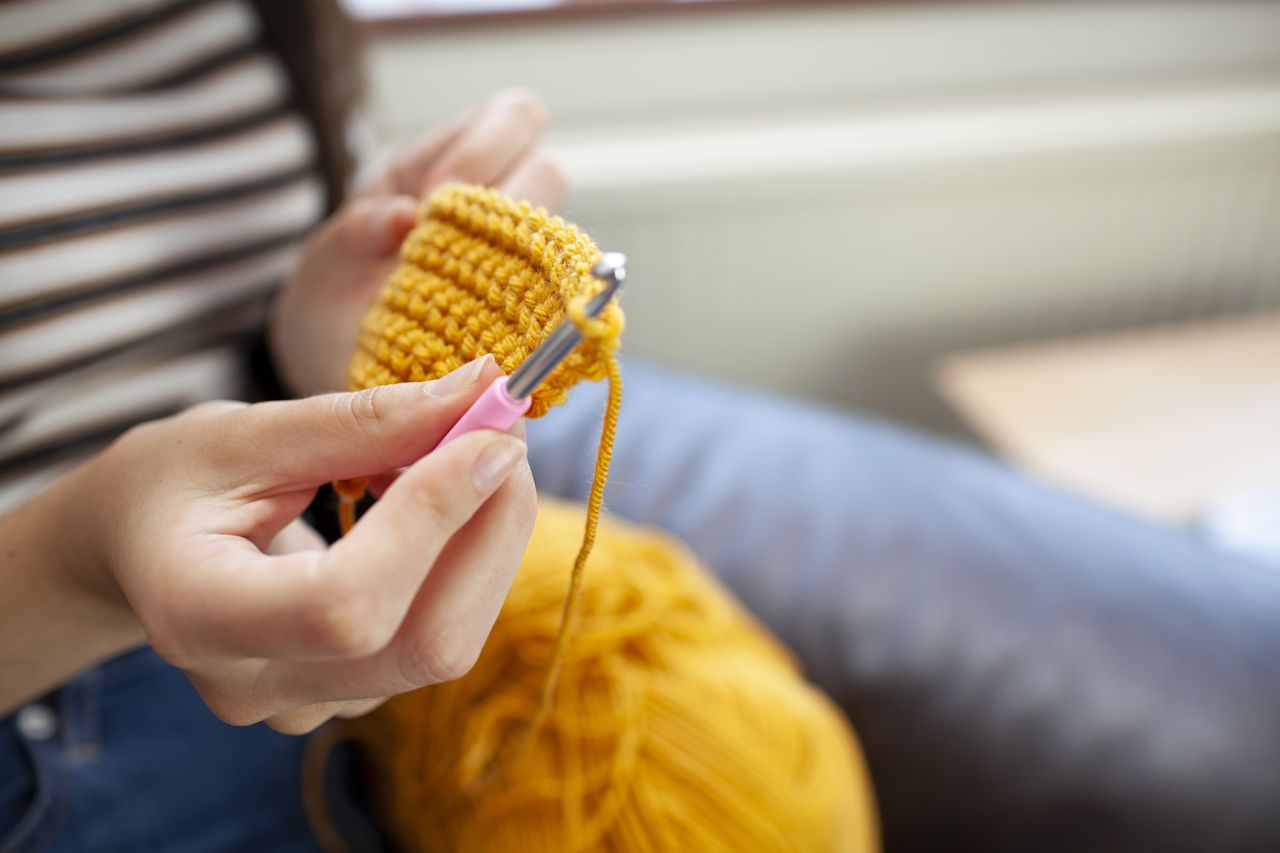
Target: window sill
{"points": [[396, 14]]}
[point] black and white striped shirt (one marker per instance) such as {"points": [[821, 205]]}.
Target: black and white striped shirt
{"points": [[155, 181]]}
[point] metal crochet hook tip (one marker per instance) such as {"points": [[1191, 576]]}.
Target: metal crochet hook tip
{"points": [[507, 399], [612, 270]]}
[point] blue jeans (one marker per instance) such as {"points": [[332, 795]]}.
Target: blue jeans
{"points": [[1004, 651], [129, 758]]}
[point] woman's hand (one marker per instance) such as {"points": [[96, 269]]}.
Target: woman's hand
{"points": [[188, 528], [316, 318]]}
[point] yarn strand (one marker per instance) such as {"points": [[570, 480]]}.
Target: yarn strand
{"points": [[595, 505], [573, 595], [349, 494]]}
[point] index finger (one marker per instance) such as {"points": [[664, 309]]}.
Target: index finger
{"points": [[343, 436], [406, 173], [503, 130]]}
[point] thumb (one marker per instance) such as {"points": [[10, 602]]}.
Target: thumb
{"points": [[375, 225], [404, 533], [343, 436], [349, 602]]}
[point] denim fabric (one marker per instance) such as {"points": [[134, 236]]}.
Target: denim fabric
{"points": [[137, 763]]}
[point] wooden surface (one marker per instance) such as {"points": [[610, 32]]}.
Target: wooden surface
{"points": [[1162, 422]]}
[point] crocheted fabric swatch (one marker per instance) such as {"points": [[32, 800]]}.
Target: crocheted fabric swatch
{"points": [[482, 273]]}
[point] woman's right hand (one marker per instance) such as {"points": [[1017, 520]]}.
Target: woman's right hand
{"points": [[189, 525]]}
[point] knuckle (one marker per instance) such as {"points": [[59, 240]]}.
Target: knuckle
{"points": [[220, 440], [139, 438], [399, 169], [551, 173], [442, 656], [166, 642], [233, 710], [345, 624], [235, 715], [351, 224], [469, 164], [210, 410], [435, 509], [297, 723], [210, 431], [359, 209], [352, 710], [364, 411], [526, 104], [147, 435]]}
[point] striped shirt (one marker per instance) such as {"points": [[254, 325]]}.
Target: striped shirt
{"points": [[155, 181]]}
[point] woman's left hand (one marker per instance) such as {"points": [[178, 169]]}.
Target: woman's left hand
{"points": [[316, 317]]}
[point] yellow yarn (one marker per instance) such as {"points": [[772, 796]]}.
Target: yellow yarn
{"points": [[679, 724], [484, 274]]}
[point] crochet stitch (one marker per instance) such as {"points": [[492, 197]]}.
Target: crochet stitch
{"points": [[480, 274]]}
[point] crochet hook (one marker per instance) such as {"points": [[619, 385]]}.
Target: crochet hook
{"points": [[509, 397]]}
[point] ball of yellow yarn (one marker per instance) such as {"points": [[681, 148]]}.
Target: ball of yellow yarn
{"points": [[679, 723]]}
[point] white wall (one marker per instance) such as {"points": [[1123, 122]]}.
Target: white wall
{"points": [[822, 199]]}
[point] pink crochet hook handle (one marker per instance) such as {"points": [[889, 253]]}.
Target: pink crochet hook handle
{"points": [[494, 409], [509, 397]]}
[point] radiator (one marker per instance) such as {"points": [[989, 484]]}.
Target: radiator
{"points": [[823, 200]]}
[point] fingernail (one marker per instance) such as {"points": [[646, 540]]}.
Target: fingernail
{"points": [[453, 382], [496, 462]]}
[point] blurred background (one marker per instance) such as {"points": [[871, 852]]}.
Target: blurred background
{"points": [[936, 212]]}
